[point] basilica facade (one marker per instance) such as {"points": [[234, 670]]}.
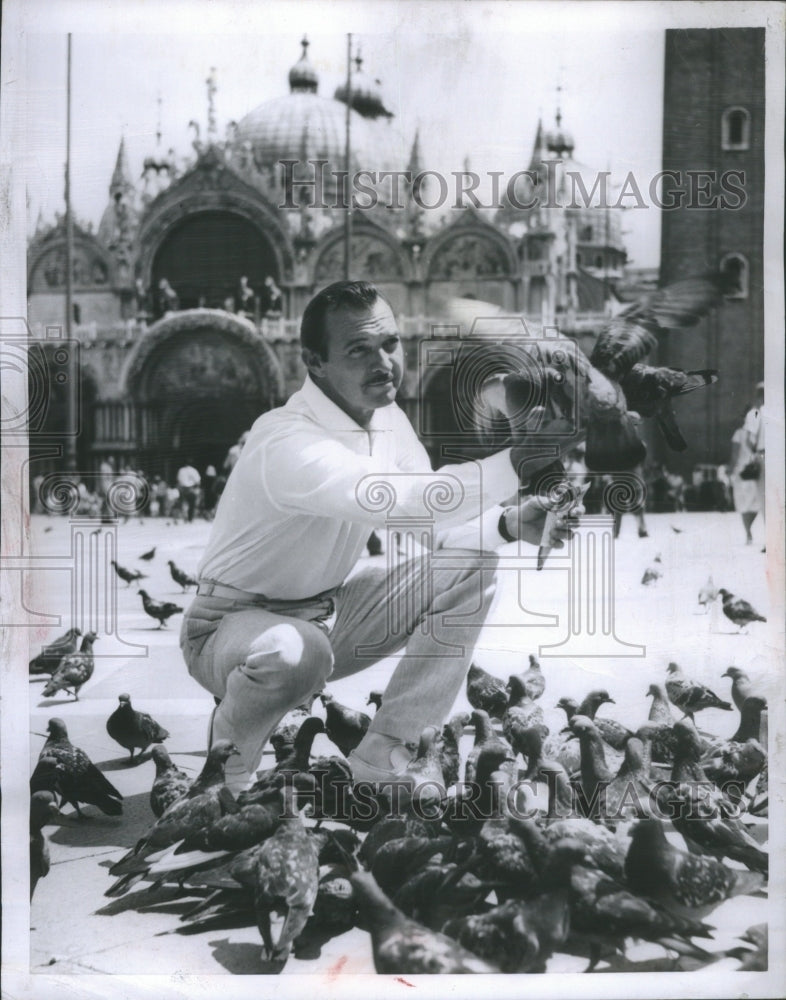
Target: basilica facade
{"points": [[187, 296]]}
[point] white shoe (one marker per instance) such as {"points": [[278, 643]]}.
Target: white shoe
{"points": [[236, 776], [390, 758]]}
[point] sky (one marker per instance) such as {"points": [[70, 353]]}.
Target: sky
{"points": [[474, 78]]}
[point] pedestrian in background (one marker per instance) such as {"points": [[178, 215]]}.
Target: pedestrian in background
{"points": [[754, 438], [188, 483]]}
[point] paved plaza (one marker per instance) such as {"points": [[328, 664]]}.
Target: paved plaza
{"points": [[74, 929]]}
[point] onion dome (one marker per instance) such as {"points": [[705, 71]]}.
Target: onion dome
{"points": [[366, 94], [303, 77], [559, 140]]}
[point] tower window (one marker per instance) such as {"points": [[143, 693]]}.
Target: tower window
{"points": [[735, 129], [578, 259], [734, 270], [598, 261]]}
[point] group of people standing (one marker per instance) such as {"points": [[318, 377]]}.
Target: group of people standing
{"points": [[245, 301]]}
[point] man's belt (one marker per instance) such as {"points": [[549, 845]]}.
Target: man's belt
{"points": [[210, 588]]}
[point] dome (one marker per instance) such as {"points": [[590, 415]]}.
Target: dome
{"points": [[303, 77], [303, 126], [559, 140], [366, 96]]}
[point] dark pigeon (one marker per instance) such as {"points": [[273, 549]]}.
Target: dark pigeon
{"points": [[133, 730], [75, 778]]}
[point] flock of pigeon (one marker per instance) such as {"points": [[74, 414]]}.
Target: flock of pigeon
{"points": [[532, 843]]}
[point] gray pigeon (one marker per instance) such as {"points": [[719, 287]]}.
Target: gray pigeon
{"points": [[133, 730], [170, 784], [741, 686], [690, 696], [653, 572], [48, 660], [73, 776], [74, 671], [43, 810], [738, 611]]}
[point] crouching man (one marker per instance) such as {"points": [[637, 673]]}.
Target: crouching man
{"points": [[277, 612]]}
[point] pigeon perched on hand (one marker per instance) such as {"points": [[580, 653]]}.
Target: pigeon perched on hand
{"points": [[181, 577], [690, 696], [133, 730], [48, 660], [75, 777], [159, 610], [738, 611], [74, 671], [128, 575]]}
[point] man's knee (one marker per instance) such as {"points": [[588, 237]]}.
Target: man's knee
{"points": [[471, 565], [300, 651]]}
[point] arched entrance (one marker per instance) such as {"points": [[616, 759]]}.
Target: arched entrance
{"points": [[204, 256], [198, 380]]}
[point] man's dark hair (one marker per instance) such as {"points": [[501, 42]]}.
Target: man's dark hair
{"points": [[350, 294]]}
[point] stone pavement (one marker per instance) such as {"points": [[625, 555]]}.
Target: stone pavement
{"points": [[74, 929]]}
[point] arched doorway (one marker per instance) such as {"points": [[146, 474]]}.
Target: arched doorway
{"points": [[204, 256], [198, 381]]}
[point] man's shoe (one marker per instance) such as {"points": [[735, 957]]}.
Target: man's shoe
{"points": [[236, 777], [388, 759]]}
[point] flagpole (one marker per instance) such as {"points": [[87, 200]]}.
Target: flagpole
{"points": [[347, 149], [70, 440]]}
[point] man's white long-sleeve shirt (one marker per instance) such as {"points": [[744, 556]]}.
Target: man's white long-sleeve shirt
{"points": [[311, 484]]}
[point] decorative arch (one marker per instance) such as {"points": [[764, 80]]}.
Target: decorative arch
{"points": [[735, 128], [92, 266], [195, 382], [181, 332], [212, 187], [375, 255], [470, 248]]}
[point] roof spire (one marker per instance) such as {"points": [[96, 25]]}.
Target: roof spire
{"points": [[414, 157], [559, 140], [121, 176], [159, 102], [212, 129]]}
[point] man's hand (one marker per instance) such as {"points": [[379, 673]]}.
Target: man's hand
{"points": [[526, 522]]}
